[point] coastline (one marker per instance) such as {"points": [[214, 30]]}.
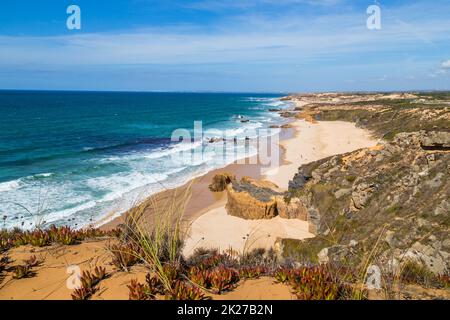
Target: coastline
{"points": [[337, 187], [202, 199], [215, 229], [209, 225]]}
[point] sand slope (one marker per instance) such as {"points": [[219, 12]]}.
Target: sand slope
{"points": [[216, 229]]}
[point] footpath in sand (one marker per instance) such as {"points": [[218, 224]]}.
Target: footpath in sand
{"points": [[312, 141]]}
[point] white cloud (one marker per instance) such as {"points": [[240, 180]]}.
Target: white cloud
{"points": [[250, 38], [322, 42], [214, 5], [446, 64]]}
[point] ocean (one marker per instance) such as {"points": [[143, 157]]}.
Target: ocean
{"points": [[73, 158]]}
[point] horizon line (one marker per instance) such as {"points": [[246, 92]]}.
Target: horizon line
{"points": [[223, 92]]}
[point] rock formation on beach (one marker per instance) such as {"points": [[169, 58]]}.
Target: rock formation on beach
{"points": [[220, 181], [251, 199]]}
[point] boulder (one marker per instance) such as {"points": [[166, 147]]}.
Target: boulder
{"points": [[435, 140], [220, 181], [342, 192], [361, 195], [313, 218], [436, 261], [442, 209], [299, 180], [334, 254]]}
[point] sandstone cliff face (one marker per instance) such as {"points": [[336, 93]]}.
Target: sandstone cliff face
{"points": [[220, 181], [250, 199], [294, 209], [244, 205]]}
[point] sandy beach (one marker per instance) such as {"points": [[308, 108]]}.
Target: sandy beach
{"points": [[314, 141], [310, 142], [208, 223]]}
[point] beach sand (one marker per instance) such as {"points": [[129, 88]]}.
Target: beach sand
{"points": [[315, 141], [311, 141]]}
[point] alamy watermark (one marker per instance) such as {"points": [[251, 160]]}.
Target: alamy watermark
{"points": [[74, 279], [73, 22], [373, 280], [374, 19]]}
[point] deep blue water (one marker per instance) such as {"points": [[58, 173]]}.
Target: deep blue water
{"points": [[74, 157]]}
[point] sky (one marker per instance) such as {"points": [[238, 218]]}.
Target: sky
{"points": [[225, 45]]}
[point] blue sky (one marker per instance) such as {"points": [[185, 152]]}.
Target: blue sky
{"points": [[225, 45]]}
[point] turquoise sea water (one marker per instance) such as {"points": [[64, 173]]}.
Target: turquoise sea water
{"points": [[75, 157]]}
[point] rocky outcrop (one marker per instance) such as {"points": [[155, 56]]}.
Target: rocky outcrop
{"points": [[396, 192], [361, 195], [301, 177], [251, 199], [294, 209], [435, 141], [220, 181], [432, 256]]}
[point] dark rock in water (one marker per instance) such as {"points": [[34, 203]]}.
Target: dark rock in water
{"points": [[274, 110], [245, 120], [213, 140], [288, 114], [342, 193]]}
